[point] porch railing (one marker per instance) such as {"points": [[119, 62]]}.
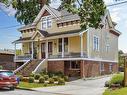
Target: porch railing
{"points": [[68, 55], [23, 57]]}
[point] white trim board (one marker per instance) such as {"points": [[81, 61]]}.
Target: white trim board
{"points": [[88, 59]]}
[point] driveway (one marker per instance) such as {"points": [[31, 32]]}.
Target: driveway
{"points": [[23, 92], [78, 87]]}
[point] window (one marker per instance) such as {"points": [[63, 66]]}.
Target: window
{"points": [[96, 43], [101, 67], [65, 44], [74, 64], [107, 47], [110, 67], [60, 44], [46, 22]]}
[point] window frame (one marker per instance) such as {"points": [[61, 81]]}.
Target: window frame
{"points": [[46, 20], [96, 43]]}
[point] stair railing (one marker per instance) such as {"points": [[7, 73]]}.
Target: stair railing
{"points": [[18, 69], [40, 67]]}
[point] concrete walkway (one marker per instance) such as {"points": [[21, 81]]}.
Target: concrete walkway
{"points": [[78, 87]]}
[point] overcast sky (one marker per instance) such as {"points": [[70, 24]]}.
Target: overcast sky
{"points": [[7, 19]]}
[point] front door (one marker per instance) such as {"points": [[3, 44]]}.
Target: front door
{"points": [[43, 50], [50, 48]]}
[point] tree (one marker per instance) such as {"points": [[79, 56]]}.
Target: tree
{"points": [[120, 59], [90, 11], [27, 10]]}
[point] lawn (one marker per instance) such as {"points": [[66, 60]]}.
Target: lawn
{"points": [[122, 91], [32, 85]]}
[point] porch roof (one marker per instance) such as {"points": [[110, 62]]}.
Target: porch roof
{"points": [[46, 34]]}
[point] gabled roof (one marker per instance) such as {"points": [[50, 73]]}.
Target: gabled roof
{"points": [[52, 11]]}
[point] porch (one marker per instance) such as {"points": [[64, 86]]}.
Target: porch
{"points": [[56, 47]]}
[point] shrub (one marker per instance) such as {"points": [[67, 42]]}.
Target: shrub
{"points": [[117, 79], [31, 79], [66, 78], [46, 77], [61, 81], [20, 77], [41, 80], [25, 79], [31, 75], [1, 67], [59, 74], [37, 76], [51, 81], [45, 84], [56, 78]]}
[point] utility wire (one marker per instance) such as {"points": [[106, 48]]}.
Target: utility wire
{"points": [[8, 27]]}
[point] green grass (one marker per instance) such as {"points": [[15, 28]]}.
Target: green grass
{"points": [[32, 85], [122, 91]]}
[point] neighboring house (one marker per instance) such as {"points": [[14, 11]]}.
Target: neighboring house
{"points": [[7, 59], [56, 36]]}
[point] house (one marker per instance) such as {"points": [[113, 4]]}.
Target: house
{"points": [[55, 42], [7, 59]]}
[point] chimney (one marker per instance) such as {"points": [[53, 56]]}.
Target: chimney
{"points": [[42, 3]]}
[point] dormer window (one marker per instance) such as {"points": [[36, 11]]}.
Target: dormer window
{"points": [[46, 22]]}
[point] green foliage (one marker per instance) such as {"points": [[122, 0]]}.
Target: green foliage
{"points": [[31, 75], [66, 78], [41, 80], [90, 11], [51, 80], [45, 84], [56, 78], [117, 79], [25, 79], [20, 77], [1, 67], [46, 77], [37, 76], [121, 59], [31, 79], [61, 81]]}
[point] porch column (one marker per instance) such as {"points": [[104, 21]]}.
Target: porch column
{"points": [[15, 50], [32, 47], [81, 43], [62, 47], [46, 48]]}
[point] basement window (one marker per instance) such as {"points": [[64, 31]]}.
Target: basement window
{"points": [[75, 65]]}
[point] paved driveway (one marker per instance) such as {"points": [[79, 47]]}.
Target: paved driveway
{"points": [[78, 87]]}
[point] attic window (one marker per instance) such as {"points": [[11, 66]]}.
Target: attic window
{"points": [[46, 22]]}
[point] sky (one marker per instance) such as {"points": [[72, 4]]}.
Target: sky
{"points": [[9, 34]]}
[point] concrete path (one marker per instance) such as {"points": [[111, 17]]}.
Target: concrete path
{"points": [[78, 87]]}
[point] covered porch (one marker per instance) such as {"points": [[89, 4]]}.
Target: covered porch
{"points": [[73, 45]]}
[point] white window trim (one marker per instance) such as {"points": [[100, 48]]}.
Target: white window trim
{"points": [[97, 49], [45, 17]]}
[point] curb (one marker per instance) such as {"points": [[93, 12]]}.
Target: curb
{"points": [[22, 88], [99, 77]]}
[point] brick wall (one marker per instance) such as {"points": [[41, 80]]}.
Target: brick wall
{"points": [[92, 68], [56, 66], [6, 57], [7, 61]]}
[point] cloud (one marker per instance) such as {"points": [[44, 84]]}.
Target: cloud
{"points": [[9, 10]]}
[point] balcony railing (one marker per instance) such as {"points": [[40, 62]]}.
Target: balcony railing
{"points": [[68, 55], [23, 57]]}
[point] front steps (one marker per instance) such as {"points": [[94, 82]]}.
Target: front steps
{"points": [[27, 69]]}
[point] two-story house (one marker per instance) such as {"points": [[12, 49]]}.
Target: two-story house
{"points": [[55, 42]]}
